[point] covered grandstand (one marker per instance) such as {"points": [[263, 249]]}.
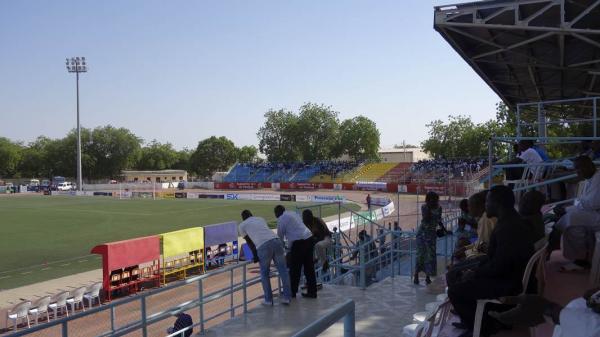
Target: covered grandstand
{"points": [[541, 51]]}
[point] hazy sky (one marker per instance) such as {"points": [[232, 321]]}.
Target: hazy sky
{"points": [[181, 71]]}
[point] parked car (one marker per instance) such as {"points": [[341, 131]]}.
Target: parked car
{"points": [[65, 186]]}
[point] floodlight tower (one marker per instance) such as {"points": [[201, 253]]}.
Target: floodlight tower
{"points": [[77, 65]]}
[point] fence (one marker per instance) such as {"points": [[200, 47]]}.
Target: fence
{"points": [[211, 298]]}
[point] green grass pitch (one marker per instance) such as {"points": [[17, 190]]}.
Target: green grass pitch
{"points": [[42, 238]]}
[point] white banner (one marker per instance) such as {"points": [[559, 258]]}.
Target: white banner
{"points": [[327, 198], [346, 223]]}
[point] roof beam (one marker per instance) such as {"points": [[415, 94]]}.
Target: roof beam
{"points": [[586, 39], [584, 13], [573, 65], [540, 12], [513, 46], [518, 27]]}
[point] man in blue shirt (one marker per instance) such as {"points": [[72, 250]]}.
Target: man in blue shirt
{"points": [[299, 239]]}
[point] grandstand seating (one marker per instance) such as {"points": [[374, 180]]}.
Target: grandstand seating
{"points": [[399, 173], [290, 172], [372, 171]]}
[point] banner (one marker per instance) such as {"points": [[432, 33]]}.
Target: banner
{"points": [[328, 198], [305, 186], [370, 186], [346, 223], [287, 197], [180, 195]]}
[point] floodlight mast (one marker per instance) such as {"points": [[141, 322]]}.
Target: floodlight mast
{"points": [[77, 65]]}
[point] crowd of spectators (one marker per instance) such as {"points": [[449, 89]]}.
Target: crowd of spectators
{"points": [[283, 172], [449, 168]]}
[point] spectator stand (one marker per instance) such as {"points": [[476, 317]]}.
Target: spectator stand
{"points": [[128, 264], [182, 253], [220, 244]]}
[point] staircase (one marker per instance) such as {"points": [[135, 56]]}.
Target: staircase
{"points": [[398, 174]]}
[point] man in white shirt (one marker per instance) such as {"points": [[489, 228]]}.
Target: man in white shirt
{"points": [[581, 220], [267, 246], [299, 239], [528, 154]]}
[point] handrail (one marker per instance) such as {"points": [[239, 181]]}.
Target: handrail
{"points": [[161, 315], [345, 310]]}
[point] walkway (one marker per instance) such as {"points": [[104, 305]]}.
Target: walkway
{"points": [[381, 310]]}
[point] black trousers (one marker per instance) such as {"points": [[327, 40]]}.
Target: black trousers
{"points": [[302, 256], [464, 296]]}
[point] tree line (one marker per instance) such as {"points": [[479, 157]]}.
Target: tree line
{"points": [[315, 133]]}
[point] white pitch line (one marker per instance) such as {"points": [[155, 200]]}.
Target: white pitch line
{"points": [[26, 272], [81, 261], [64, 265], [3, 277], [47, 268]]}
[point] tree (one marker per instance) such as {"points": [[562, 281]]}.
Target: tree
{"points": [[212, 154], [277, 137], [10, 156], [359, 138], [183, 160], [34, 161], [317, 135], [157, 156], [460, 138], [247, 154], [111, 150]]}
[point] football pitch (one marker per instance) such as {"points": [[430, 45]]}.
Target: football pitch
{"points": [[43, 237]]}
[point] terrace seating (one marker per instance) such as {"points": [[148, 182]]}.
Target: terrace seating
{"points": [[60, 303], [77, 299], [20, 312], [40, 307], [433, 322], [93, 293], [537, 260]]}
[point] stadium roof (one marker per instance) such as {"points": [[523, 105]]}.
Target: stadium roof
{"points": [[528, 50]]}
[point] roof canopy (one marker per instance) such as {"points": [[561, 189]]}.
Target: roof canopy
{"points": [[182, 241], [220, 233], [528, 50]]}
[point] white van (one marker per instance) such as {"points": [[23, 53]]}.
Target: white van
{"points": [[66, 186]]}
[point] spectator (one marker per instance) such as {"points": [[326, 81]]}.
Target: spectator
{"points": [[465, 232], [183, 321], [266, 246], [580, 220], [530, 208], [427, 238], [485, 224], [369, 201], [366, 241], [300, 242], [321, 236], [501, 274]]}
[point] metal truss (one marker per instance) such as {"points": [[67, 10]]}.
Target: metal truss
{"points": [[528, 50]]}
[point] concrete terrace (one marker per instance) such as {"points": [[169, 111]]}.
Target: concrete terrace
{"points": [[382, 309]]}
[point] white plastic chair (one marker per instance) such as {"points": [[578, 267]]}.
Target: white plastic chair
{"points": [[77, 299], [60, 302], [92, 293], [40, 308], [433, 324], [18, 313], [539, 259], [429, 307]]}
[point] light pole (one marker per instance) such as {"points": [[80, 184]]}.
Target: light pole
{"points": [[77, 65]]}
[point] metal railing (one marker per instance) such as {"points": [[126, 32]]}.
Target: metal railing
{"points": [[345, 310], [146, 319]]}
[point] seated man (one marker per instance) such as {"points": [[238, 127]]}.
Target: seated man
{"points": [[501, 273], [580, 221], [183, 321]]}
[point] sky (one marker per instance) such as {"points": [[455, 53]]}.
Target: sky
{"points": [[182, 71]]}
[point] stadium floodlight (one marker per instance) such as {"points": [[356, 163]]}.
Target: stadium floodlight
{"points": [[77, 65]]}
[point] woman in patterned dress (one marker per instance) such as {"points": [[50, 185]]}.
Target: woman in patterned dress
{"points": [[427, 238]]}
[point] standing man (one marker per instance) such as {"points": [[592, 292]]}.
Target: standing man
{"points": [[300, 242], [266, 246], [369, 201], [321, 236]]}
